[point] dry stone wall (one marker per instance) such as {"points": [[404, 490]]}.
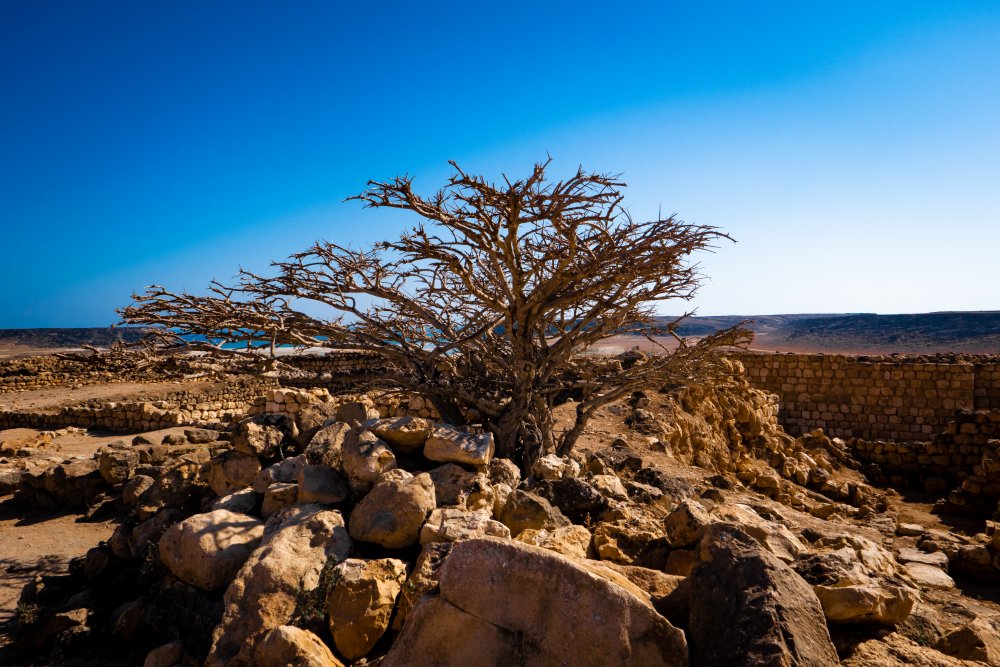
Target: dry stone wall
{"points": [[882, 397], [228, 402]]}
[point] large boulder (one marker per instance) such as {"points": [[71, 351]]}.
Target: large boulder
{"points": [[423, 579], [266, 435], [406, 435], [576, 499], [360, 603], [296, 546], [449, 445], [743, 606], [285, 471], [394, 510], [207, 550], [524, 510], [73, 483], [857, 581], [568, 540], [322, 484], [231, 471], [326, 446], [454, 485], [365, 458], [288, 645], [117, 462], [503, 603]]}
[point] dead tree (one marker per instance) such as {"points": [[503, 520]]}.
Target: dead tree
{"points": [[489, 306]]}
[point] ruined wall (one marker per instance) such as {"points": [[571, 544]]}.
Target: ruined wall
{"points": [[222, 404], [874, 398]]}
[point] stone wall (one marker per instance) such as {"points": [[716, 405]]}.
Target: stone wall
{"points": [[209, 406], [874, 398], [965, 454]]}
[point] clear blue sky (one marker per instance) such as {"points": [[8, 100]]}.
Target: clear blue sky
{"points": [[852, 148]]}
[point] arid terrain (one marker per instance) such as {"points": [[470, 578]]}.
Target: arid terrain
{"points": [[371, 534]]}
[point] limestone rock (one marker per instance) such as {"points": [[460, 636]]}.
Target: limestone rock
{"points": [[326, 446], [449, 445], [535, 616], [610, 486], [394, 510], [117, 463], [504, 471], [404, 434], [569, 540], [365, 458], [231, 471], [356, 412], [288, 645], [452, 525], [579, 501], [454, 485], [285, 471], [265, 592], [895, 650], [686, 524], [977, 640], [264, 435], [744, 606], [422, 581], [929, 576], [361, 601], [887, 605], [207, 550], [549, 467], [243, 501], [277, 497], [322, 484], [525, 510]]}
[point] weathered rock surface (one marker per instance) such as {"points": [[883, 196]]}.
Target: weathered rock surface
{"points": [[322, 484], [361, 601], [326, 446], [288, 645], [394, 510], [569, 540], [525, 510], [449, 445], [977, 640], [744, 606], [285, 471], [264, 435], [207, 550], [365, 458], [265, 592], [231, 471], [516, 604], [404, 434], [452, 525]]}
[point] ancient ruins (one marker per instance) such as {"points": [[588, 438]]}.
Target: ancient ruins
{"points": [[290, 520]]}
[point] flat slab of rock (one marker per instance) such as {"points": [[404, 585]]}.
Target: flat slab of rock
{"points": [[449, 445], [503, 602], [404, 434], [929, 576], [911, 555]]}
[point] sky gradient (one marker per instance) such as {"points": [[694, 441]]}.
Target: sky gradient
{"points": [[852, 149]]}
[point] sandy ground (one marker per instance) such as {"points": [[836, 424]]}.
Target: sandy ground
{"points": [[34, 542], [55, 397], [42, 542]]}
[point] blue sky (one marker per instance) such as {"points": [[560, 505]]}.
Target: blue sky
{"points": [[853, 149]]}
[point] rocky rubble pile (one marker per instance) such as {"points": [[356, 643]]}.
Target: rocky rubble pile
{"points": [[325, 534]]}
